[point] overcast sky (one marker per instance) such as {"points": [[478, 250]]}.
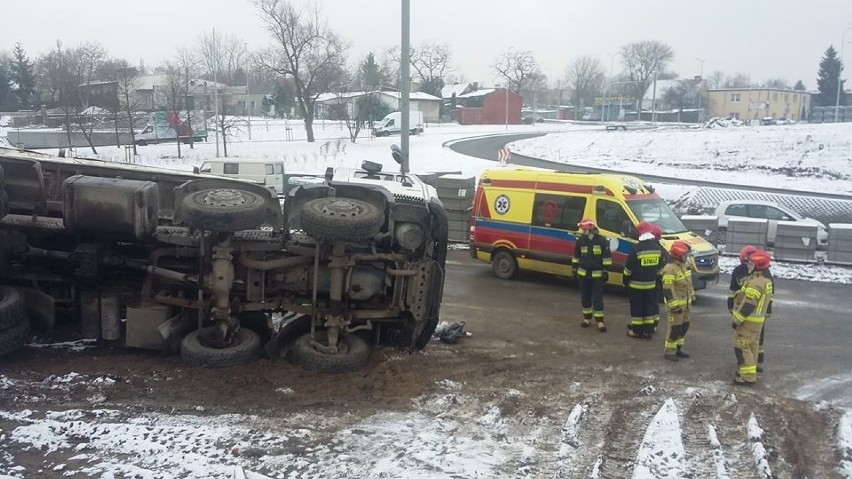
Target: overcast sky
{"points": [[763, 38]]}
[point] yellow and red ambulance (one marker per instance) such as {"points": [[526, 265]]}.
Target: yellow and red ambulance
{"points": [[525, 218]]}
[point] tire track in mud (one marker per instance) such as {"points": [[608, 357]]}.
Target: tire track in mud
{"points": [[623, 434], [589, 439], [729, 424], [704, 458]]}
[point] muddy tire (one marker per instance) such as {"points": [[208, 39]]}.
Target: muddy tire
{"points": [[355, 355], [195, 349], [14, 338], [4, 203], [344, 219], [223, 210], [504, 265], [13, 309]]}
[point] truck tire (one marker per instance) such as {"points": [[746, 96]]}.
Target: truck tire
{"points": [[2, 178], [505, 265], [194, 349], [344, 219], [354, 355], [142, 143], [14, 338], [223, 210], [13, 309]]}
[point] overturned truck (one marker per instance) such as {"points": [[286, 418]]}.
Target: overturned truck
{"points": [[216, 268]]}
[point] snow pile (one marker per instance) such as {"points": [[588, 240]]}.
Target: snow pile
{"points": [[570, 442], [758, 451], [814, 157], [722, 123], [661, 454], [4, 122], [816, 272], [718, 454], [73, 346], [844, 434]]}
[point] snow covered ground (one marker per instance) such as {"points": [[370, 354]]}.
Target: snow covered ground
{"points": [[804, 157]]}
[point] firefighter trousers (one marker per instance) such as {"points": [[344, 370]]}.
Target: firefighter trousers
{"points": [[678, 325], [591, 297], [746, 349], [644, 310]]}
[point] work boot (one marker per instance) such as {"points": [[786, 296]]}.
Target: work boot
{"points": [[738, 381], [601, 326], [633, 334], [586, 323], [671, 357], [760, 368], [681, 354]]}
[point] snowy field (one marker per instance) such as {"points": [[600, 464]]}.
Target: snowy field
{"points": [[800, 157]]}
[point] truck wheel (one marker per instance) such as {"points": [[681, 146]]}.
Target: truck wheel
{"points": [[504, 265], [196, 348], [142, 143], [343, 219], [2, 178], [14, 338], [223, 210], [353, 355], [13, 309]]}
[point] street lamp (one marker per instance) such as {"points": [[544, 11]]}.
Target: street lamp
{"points": [[839, 71], [700, 83], [605, 116]]}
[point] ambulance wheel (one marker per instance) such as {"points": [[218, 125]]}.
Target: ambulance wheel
{"points": [[504, 265]]}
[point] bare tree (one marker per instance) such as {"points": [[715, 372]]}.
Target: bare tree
{"points": [[584, 76], [127, 83], [85, 61], [431, 64], [739, 80], [305, 49], [518, 68], [173, 96], [683, 94], [641, 61], [715, 80], [222, 58], [778, 83], [187, 62]]}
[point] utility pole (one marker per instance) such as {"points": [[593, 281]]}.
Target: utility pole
{"points": [[248, 94], [653, 101], [700, 84], [839, 71], [404, 71], [216, 90], [507, 108]]}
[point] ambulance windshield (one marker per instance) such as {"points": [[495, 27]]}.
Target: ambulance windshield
{"points": [[655, 210]]}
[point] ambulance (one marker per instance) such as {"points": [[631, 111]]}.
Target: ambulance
{"points": [[526, 219]]}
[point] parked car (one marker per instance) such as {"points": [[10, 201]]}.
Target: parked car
{"points": [[773, 212]]}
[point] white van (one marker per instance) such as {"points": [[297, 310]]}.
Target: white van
{"points": [[392, 123], [265, 172]]}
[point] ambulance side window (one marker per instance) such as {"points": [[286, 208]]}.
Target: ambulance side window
{"points": [[612, 217], [554, 211]]}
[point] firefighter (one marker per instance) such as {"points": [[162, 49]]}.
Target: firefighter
{"points": [[738, 277], [751, 304], [679, 294], [590, 263], [664, 259], [641, 274]]}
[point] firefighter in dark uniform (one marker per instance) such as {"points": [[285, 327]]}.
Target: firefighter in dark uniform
{"points": [[751, 304], [658, 236], [590, 263], [679, 294], [642, 272], [738, 277]]}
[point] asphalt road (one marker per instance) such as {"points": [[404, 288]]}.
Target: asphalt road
{"points": [[487, 147], [807, 338]]}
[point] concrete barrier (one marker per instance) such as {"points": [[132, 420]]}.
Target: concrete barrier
{"points": [[745, 231], [35, 138], [795, 241], [456, 193], [839, 243], [705, 226]]}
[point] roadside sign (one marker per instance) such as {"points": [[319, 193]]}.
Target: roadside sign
{"points": [[503, 156]]}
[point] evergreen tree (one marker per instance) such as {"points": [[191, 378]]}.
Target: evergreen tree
{"points": [[829, 69], [7, 100], [799, 86], [23, 77], [283, 97], [370, 74]]}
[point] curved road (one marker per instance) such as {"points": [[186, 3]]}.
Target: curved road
{"points": [[487, 147]]}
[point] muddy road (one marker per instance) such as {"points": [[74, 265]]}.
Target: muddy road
{"points": [[528, 394]]}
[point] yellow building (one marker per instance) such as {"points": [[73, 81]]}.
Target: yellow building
{"points": [[757, 103]]}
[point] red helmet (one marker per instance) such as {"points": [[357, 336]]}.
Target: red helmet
{"points": [[760, 260], [657, 232], [644, 227], [746, 252], [679, 250], [586, 224]]}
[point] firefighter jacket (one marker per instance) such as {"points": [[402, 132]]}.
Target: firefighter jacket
{"points": [[591, 256], [751, 303], [644, 265], [738, 277], [677, 284]]}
